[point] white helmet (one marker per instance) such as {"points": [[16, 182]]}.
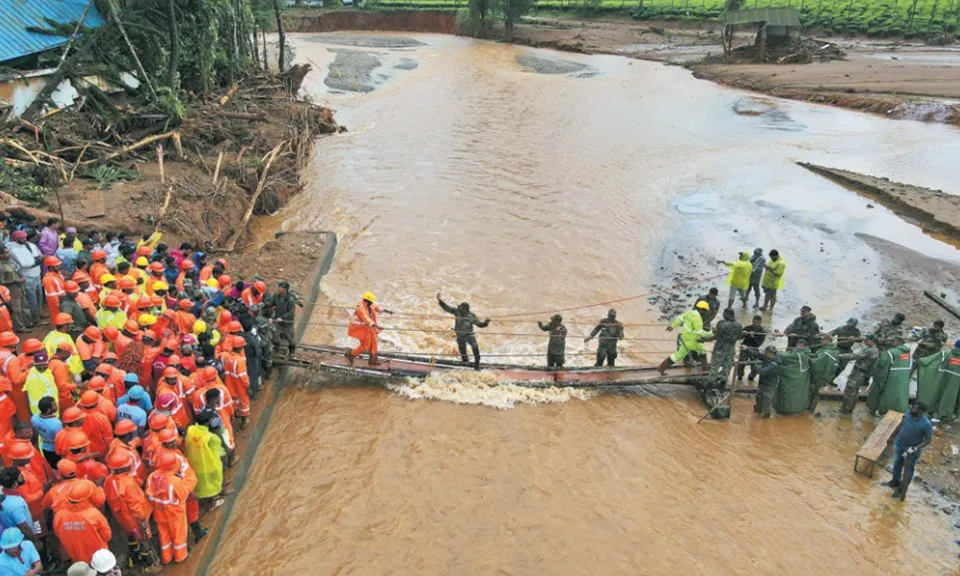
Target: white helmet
{"points": [[103, 561]]}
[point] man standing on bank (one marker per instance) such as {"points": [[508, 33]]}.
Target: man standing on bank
{"points": [[464, 321], [916, 431], [611, 332], [556, 349]]}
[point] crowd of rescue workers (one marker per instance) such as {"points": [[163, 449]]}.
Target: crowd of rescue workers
{"points": [[123, 413]]}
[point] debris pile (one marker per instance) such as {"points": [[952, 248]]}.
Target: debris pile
{"points": [[801, 50]]}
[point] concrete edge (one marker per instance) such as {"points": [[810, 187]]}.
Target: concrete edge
{"points": [[260, 428]]}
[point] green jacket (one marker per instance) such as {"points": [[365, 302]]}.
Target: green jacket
{"points": [[938, 383]]}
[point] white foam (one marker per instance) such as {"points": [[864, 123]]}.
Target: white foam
{"points": [[483, 388]]}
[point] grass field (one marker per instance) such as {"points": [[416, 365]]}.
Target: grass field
{"points": [[867, 17]]}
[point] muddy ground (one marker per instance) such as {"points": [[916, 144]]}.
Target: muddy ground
{"points": [[899, 79]]}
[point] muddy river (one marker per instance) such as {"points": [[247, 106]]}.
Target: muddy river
{"points": [[531, 180]]}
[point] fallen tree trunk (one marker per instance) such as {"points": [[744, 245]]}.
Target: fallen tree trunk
{"points": [[256, 196], [145, 142]]}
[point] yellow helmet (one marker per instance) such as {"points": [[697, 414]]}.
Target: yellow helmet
{"points": [[146, 320], [104, 278], [212, 283], [702, 305], [199, 327], [160, 286], [369, 297], [142, 261]]}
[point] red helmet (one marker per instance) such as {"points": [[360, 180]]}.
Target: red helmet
{"points": [[62, 319], [51, 261], [226, 317], [224, 280], [156, 300], [21, 450], [80, 492], [260, 286], [235, 326], [168, 435], [89, 399], [99, 255], [209, 373], [144, 251], [158, 422], [174, 360], [66, 468], [120, 458], [124, 427], [188, 265], [111, 301], [131, 326], [97, 382], [170, 372], [168, 462], [93, 333], [111, 334], [144, 303], [32, 345], [9, 339], [126, 283], [186, 304], [238, 342], [71, 287], [5, 293], [155, 267]]}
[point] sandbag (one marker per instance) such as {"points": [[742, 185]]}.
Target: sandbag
{"points": [[794, 390], [928, 379], [823, 365], [891, 382], [949, 383]]}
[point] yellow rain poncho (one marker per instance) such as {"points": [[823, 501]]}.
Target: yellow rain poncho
{"points": [[740, 272], [203, 449]]}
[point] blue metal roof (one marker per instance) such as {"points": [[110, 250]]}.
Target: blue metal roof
{"points": [[17, 15]]}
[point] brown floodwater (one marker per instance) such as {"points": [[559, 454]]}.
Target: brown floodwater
{"points": [[474, 176]]}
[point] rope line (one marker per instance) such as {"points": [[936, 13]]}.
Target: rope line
{"points": [[433, 331]]}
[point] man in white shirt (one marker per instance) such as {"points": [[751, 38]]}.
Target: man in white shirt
{"points": [[28, 257]]}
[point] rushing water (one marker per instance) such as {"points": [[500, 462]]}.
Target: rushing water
{"points": [[472, 175]]}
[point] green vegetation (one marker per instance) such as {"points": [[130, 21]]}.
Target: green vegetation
{"points": [[23, 183], [911, 18]]}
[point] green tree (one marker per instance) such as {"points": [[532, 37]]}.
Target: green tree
{"points": [[513, 10]]}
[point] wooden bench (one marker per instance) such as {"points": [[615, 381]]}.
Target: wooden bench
{"points": [[873, 448]]}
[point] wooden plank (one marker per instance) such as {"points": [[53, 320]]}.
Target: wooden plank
{"points": [[876, 443]]}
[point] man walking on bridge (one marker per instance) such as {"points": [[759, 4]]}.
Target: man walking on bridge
{"points": [[364, 327], [464, 321], [611, 332], [691, 336], [556, 349]]}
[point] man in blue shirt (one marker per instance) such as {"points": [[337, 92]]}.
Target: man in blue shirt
{"points": [[18, 558], [916, 431], [47, 425], [131, 407], [14, 512]]}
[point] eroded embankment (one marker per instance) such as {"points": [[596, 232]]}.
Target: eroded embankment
{"points": [[436, 21], [934, 211]]}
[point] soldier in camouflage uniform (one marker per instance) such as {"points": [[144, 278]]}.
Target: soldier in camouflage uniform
{"points": [[611, 332], [803, 327], [557, 347], [864, 364], [888, 331], [267, 332], [846, 335], [767, 383], [284, 312], [726, 335], [932, 340]]}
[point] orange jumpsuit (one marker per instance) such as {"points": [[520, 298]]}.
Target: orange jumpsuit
{"points": [[32, 492], [225, 409], [6, 323], [179, 414], [362, 328], [64, 382], [67, 438], [56, 497], [12, 368], [8, 414], [97, 269], [249, 299], [53, 291], [107, 408], [94, 350], [86, 302], [82, 530], [168, 494], [128, 503], [184, 322], [98, 429], [205, 273], [138, 471], [237, 381], [91, 470], [115, 387], [189, 476]]}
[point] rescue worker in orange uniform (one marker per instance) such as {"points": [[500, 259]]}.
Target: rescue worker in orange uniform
{"points": [[168, 494], [169, 404], [12, 368], [173, 382], [56, 497], [253, 294], [114, 387], [156, 275], [91, 348], [127, 337], [98, 385], [364, 327], [99, 266], [127, 442], [215, 395], [186, 271], [185, 319], [156, 424], [72, 433], [128, 295], [6, 320], [66, 387], [223, 322], [170, 443], [95, 424], [81, 528], [87, 467], [21, 453], [129, 504], [8, 409], [52, 285], [237, 381], [89, 312], [89, 296]]}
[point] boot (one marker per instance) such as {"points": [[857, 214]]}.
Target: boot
{"points": [[199, 532], [476, 364], [662, 368], [243, 422], [373, 360], [292, 349], [349, 355]]}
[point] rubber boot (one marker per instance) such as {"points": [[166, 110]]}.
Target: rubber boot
{"points": [[476, 363], [199, 532], [373, 360], [662, 368], [349, 355]]}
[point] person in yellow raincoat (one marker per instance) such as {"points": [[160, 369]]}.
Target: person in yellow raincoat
{"points": [[772, 281], [60, 335], [40, 382], [692, 336], [204, 451], [739, 278], [364, 327]]}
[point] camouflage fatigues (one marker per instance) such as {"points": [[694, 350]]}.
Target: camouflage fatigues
{"points": [[846, 336], [726, 334], [266, 331], [714, 305], [931, 342], [767, 387], [885, 334], [557, 348], [806, 328], [284, 313], [863, 367], [611, 332]]}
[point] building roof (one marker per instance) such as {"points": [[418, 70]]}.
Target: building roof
{"points": [[783, 16], [17, 15]]}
